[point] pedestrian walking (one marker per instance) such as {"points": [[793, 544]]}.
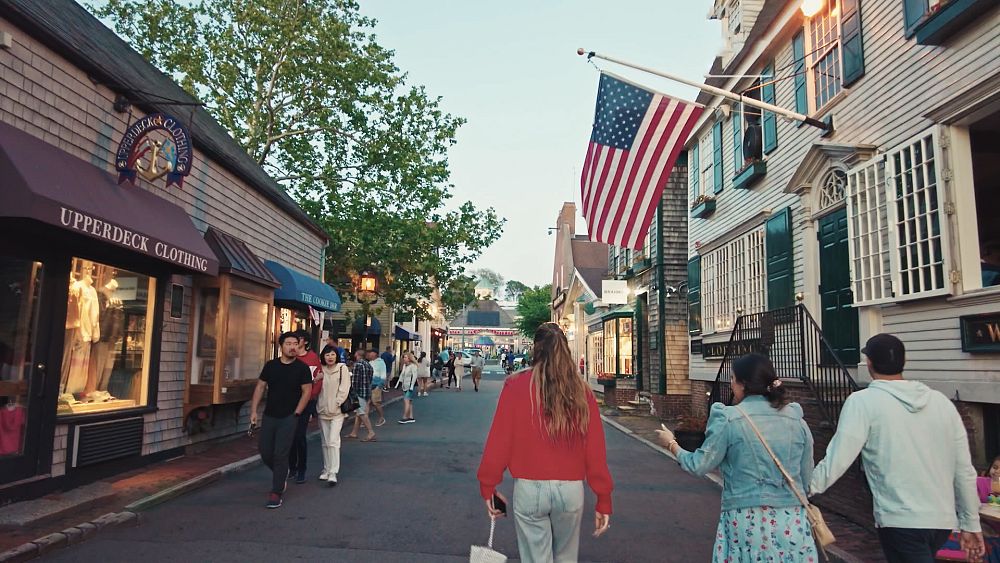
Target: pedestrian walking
{"points": [[423, 374], [288, 384], [510, 361], [389, 358], [476, 363], [915, 451], [298, 454], [449, 367], [361, 383], [334, 380], [379, 383], [459, 369], [407, 381], [547, 432], [762, 517]]}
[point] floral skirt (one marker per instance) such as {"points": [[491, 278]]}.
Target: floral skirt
{"points": [[763, 533]]}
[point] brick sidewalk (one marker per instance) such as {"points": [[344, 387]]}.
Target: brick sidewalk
{"points": [[144, 482], [852, 539]]}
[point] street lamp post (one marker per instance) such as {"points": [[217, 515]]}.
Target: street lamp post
{"points": [[367, 293]]}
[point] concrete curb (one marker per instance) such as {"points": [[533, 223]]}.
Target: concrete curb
{"points": [[130, 515], [836, 555]]}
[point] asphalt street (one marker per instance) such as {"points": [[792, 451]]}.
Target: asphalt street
{"points": [[412, 496]]}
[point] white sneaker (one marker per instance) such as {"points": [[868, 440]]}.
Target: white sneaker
{"points": [[323, 476], [332, 479]]}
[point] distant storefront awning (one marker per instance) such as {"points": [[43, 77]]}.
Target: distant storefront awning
{"points": [[44, 183], [300, 289], [403, 334], [236, 258], [484, 341], [359, 326]]}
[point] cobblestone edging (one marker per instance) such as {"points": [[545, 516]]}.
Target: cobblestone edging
{"points": [[836, 555], [130, 516]]}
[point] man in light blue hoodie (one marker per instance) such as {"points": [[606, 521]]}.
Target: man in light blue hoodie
{"points": [[916, 455]]}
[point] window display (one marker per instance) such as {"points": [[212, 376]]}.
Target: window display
{"points": [[108, 328], [246, 339], [625, 346], [610, 348], [617, 347], [20, 281]]}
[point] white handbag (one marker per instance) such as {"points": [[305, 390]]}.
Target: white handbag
{"points": [[480, 554]]}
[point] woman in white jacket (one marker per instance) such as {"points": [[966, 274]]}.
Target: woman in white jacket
{"points": [[336, 381], [407, 379]]}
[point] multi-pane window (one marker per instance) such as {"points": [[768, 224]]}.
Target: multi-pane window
{"points": [[868, 230], [734, 280], [823, 54], [706, 166], [897, 226], [832, 188]]}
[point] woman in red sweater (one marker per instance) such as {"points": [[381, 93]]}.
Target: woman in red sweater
{"points": [[547, 431]]}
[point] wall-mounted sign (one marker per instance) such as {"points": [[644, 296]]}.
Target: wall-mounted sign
{"points": [[156, 145], [483, 331], [614, 292], [717, 350], [980, 333], [559, 300]]}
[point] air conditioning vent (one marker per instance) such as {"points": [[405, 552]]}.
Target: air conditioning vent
{"points": [[104, 441]]}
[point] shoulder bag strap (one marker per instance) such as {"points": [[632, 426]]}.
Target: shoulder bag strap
{"points": [[788, 478]]}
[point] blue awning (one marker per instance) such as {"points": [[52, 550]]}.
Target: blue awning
{"points": [[484, 341], [359, 327], [297, 287], [403, 334]]}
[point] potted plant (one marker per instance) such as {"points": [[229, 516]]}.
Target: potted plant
{"points": [[703, 206], [690, 432]]}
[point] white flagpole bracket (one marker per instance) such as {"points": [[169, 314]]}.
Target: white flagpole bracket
{"points": [[826, 127]]}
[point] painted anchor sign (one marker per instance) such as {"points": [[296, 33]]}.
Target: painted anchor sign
{"points": [[156, 145]]}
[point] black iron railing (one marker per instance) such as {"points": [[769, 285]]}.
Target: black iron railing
{"points": [[794, 342]]}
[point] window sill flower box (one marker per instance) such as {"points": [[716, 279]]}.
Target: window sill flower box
{"points": [[703, 207], [948, 18], [749, 175]]}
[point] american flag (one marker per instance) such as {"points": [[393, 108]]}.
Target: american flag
{"points": [[637, 137]]}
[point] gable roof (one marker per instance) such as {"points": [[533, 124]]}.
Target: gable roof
{"points": [[70, 30], [590, 259]]}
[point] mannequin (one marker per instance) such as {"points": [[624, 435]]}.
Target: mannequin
{"points": [[72, 328], [102, 354], [87, 332]]}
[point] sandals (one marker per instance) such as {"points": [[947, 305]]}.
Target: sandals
{"points": [[369, 439]]}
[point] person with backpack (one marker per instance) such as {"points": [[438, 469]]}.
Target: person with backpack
{"points": [[334, 380]]}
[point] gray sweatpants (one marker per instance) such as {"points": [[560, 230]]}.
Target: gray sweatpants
{"points": [[547, 516], [276, 435]]}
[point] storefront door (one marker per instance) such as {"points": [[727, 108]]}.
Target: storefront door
{"points": [[840, 318], [24, 310]]}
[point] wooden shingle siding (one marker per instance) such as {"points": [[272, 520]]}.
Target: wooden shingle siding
{"points": [[48, 97], [902, 82]]}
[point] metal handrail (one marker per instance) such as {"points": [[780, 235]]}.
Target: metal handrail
{"points": [[794, 342]]}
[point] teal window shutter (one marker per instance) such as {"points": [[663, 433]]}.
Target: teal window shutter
{"points": [[799, 58], [694, 295], [737, 139], [770, 121], [778, 247], [695, 170], [850, 41], [717, 166], [913, 12]]}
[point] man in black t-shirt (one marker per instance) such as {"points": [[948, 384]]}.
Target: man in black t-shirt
{"points": [[288, 383]]}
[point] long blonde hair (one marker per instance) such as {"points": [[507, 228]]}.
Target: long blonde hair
{"points": [[557, 387]]}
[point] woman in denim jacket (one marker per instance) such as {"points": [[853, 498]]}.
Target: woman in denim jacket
{"points": [[761, 520]]}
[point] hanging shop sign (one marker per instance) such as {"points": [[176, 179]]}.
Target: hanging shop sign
{"points": [[614, 292], [156, 145], [483, 331]]}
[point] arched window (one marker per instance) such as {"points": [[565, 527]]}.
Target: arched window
{"points": [[832, 188]]}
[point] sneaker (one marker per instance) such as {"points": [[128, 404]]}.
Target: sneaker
{"points": [[401, 421], [300, 477], [332, 480], [324, 476], [409, 420], [273, 500]]}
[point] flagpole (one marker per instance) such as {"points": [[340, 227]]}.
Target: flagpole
{"points": [[713, 90]]}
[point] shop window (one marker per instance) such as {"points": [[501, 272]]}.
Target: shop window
{"points": [[625, 346], [20, 282], [733, 281], [610, 349], [109, 326], [596, 351], [232, 341], [617, 347], [908, 240]]}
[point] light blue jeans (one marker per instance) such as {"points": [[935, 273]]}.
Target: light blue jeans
{"points": [[547, 516]]}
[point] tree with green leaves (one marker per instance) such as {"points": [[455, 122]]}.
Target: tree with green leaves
{"points": [[514, 289], [312, 97], [533, 309]]}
